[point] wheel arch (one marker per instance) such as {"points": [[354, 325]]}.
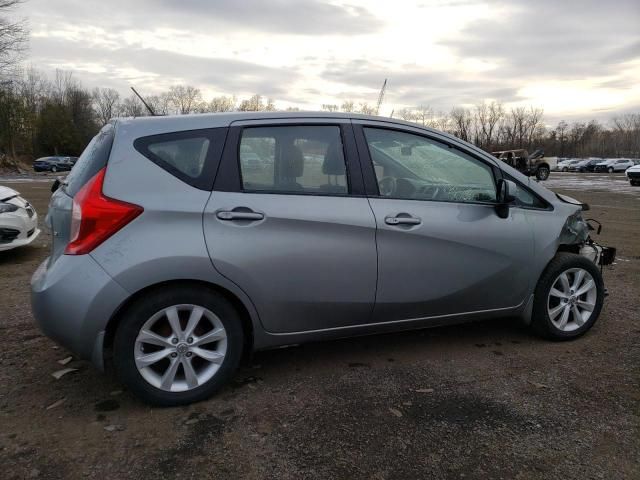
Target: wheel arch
{"points": [[236, 302]]}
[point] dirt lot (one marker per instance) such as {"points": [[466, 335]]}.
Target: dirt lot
{"points": [[476, 401]]}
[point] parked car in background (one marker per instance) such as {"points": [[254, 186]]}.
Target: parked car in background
{"points": [[18, 220], [173, 255], [529, 164], [614, 165], [564, 165], [585, 165], [54, 164], [633, 174]]}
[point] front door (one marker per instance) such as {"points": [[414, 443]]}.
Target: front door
{"points": [[442, 249], [284, 224]]}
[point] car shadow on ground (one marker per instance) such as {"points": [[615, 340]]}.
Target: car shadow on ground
{"points": [[19, 255], [481, 334]]}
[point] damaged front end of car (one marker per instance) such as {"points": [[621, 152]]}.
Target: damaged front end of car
{"points": [[576, 235]]}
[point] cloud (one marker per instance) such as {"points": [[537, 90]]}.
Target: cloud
{"points": [[293, 17], [308, 52], [554, 39], [222, 74], [419, 85]]}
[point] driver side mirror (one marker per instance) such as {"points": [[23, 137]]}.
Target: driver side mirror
{"points": [[505, 197]]}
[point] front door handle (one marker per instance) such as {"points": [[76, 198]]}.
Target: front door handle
{"points": [[402, 221], [234, 215]]}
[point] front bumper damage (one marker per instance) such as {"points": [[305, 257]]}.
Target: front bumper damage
{"points": [[598, 254], [577, 232]]}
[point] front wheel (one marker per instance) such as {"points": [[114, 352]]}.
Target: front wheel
{"points": [[568, 298], [54, 169], [542, 173], [178, 345], [610, 170]]}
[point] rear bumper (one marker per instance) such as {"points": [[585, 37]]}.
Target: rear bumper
{"points": [[72, 301]]}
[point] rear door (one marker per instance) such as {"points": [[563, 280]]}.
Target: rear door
{"points": [[288, 222], [442, 249]]}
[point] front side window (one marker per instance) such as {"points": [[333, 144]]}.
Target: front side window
{"points": [[525, 197], [413, 167], [293, 159]]}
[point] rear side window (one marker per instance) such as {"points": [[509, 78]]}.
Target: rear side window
{"points": [[293, 159], [186, 155], [192, 156], [93, 159]]}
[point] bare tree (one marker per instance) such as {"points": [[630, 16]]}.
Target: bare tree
{"points": [[407, 114], [253, 104], [533, 125], [222, 104], [348, 106], [461, 119], [561, 135], [160, 104], [132, 107], [487, 118], [270, 106], [366, 109], [105, 101], [184, 99], [13, 36], [330, 107]]}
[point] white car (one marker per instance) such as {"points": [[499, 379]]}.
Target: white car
{"points": [[633, 174], [614, 165], [18, 220], [566, 164]]}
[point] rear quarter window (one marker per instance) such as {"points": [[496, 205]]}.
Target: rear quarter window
{"points": [[192, 156], [93, 159]]}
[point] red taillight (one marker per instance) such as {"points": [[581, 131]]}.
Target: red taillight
{"points": [[95, 217]]}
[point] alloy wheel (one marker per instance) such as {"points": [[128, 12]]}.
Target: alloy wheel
{"points": [[572, 299], [180, 348]]}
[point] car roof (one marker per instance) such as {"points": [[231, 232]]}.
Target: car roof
{"points": [[213, 120]]}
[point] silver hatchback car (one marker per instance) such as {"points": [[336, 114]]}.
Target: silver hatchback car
{"points": [[182, 243]]}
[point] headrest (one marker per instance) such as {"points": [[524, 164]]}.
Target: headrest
{"points": [[333, 161], [291, 162]]}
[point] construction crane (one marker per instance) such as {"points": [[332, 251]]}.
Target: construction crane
{"points": [[381, 96]]}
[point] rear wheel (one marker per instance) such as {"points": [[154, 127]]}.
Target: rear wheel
{"points": [[565, 169], [568, 298], [178, 345], [542, 173]]}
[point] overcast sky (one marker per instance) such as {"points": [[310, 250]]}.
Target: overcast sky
{"points": [[576, 59]]}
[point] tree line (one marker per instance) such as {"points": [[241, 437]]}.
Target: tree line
{"points": [[494, 127], [41, 116]]}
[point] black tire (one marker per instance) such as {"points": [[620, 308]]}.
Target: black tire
{"points": [[142, 309], [634, 183], [541, 323], [610, 169], [542, 173], [565, 169], [54, 169]]}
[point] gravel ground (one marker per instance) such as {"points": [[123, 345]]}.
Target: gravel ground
{"points": [[486, 400]]}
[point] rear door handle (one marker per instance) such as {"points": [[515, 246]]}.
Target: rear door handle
{"points": [[402, 221], [233, 215]]}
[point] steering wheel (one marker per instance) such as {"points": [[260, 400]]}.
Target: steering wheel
{"points": [[387, 185]]}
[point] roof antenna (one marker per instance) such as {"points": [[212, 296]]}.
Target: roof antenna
{"points": [[153, 114]]}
